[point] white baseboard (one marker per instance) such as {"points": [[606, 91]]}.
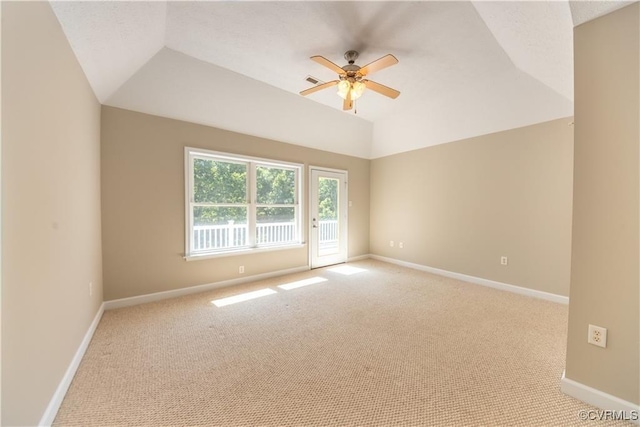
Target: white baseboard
{"points": [[478, 280], [52, 409], [597, 398], [157, 296]]}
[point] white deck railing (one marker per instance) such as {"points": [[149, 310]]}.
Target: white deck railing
{"points": [[208, 237]]}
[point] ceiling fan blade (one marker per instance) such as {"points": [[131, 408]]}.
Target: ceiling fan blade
{"points": [[379, 64], [381, 89], [348, 103], [330, 65], [319, 87]]}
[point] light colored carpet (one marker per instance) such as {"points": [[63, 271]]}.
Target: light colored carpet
{"points": [[385, 346]]}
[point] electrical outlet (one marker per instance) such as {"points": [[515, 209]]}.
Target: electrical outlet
{"points": [[90, 288], [504, 260], [241, 269], [391, 243], [597, 336], [401, 245]]}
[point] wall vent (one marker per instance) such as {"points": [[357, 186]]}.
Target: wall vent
{"points": [[313, 80]]}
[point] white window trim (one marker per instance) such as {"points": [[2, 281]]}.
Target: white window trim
{"points": [[192, 152], [243, 251]]}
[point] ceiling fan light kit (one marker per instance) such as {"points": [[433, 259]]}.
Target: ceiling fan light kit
{"points": [[351, 82], [356, 88]]}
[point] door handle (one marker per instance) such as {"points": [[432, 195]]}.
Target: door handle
{"points": [[314, 223]]}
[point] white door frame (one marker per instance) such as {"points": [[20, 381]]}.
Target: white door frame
{"points": [[343, 220]]}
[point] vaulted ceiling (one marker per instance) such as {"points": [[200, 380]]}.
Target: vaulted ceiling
{"points": [[466, 68]]}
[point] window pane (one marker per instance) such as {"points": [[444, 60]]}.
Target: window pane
{"points": [[275, 186], [219, 227], [276, 225], [219, 182]]}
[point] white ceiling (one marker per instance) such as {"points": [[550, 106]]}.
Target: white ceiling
{"points": [[179, 86], [466, 68]]}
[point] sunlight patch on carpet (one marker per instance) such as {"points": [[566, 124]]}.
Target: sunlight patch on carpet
{"points": [[347, 270], [243, 297]]}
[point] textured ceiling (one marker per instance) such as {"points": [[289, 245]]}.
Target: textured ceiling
{"points": [[112, 40], [537, 37], [586, 10], [466, 68]]}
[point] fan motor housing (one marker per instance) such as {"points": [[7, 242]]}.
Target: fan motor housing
{"points": [[351, 68]]}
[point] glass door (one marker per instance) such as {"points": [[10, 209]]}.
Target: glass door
{"points": [[328, 219]]}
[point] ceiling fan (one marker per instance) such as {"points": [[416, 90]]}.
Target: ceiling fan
{"points": [[351, 78]]}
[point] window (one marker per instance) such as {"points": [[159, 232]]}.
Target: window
{"points": [[240, 204]]}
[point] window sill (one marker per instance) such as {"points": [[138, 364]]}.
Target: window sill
{"points": [[243, 251]]}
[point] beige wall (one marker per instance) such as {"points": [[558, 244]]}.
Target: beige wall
{"points": [[605, 280], [0, 220], [143, 203], [50, 209], [461, 206]]}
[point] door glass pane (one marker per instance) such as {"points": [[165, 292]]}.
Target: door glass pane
{"points": [[276, 225], [219, 227], [328, 211]]}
